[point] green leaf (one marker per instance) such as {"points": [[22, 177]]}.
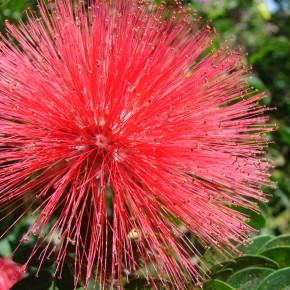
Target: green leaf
{"points": [[248, 278], [223, 274], [216, 285], [211, 258], [257, 243], [31, 282], [284, 132], [257, 220], [5, 248], [257, 83], [221, 266], [17, 5], [280, 254], [142, 284], [278, 280], [244, 262], [253, 260], [283, 240]]}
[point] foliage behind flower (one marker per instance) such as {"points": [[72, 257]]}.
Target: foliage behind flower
{"points": [[121, 134]]}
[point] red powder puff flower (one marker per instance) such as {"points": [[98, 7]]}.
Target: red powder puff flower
{"points": [[122, 134], [10, 273]]}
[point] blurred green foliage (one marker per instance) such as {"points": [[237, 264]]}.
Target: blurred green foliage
{"points": [[12, 10], [265, 37]]}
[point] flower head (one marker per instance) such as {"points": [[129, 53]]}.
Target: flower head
{"points": [[122, 133], [10, 273]]}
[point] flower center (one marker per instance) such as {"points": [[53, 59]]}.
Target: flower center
{"points": [[101, 141]]}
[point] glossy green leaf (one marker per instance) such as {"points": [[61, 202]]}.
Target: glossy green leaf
{"points": [[280, 254], [221, 266], [248, 278], [278, 280], [257, 220], [257, 243], [31, 282], [283, 240], [223, 274], [216, 285], [253, 260], [244, 262]]}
